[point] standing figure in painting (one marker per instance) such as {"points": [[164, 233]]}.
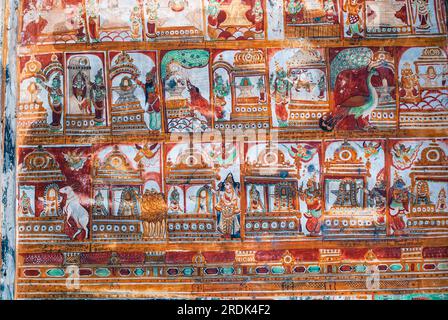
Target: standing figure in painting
{"points": [[354, 21], [311, 196], [228, 208], [441, 200], [376, 197], [410, 84], [152, 6], [422, 12], [55, 97], [257, 14], [128, 203], [135, 23], [220, 90], [25, 208], [97, 95], [174, 204], [152, 100], [399, 205], [330, 11], [98, 208], [255, 204], [203, 202], [280, 86]]}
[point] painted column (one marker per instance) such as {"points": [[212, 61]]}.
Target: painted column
{"points": [[9, 13]]}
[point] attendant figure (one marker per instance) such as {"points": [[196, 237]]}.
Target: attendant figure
{"points": [[98, 96], [255, 204], [98, 208], [441, 201], [25, 208], [280, 87], [55, 98], [410, 84], [311, 195], [174, 202], [354, 21], [152, 7], [220, 91], [399, 205], [422, 11], [228, 208], [152, 100]]}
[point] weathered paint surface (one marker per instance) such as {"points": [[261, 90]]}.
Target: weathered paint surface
{"points": [[8, 165], [119, 188]]}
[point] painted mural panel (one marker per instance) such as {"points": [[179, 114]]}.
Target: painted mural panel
{"points": [[87, 106], [362, 82], [423, 85], [136, 104], [233, 149], [186, 87], [312, 19], [114, 20], [203, 189], [354, 189], [48, 21], [53, 194], [128, 202], [40, 111], [299, 87], [174, 19], [240, 97], [418, 187], [235, 19]]}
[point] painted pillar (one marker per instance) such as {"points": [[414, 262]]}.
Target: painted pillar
{"points": [[9, 14]]}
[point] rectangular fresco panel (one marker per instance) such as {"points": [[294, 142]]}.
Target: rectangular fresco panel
{"points": [[231, 149]]}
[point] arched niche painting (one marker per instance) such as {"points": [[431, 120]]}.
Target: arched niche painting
{"points": [[87, 109], [298, 87], [136, 104], [185, 81], [422, 80], [362, 82], [418, 187], [40, 110], [240, 89]]}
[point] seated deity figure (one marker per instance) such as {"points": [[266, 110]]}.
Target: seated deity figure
{"points": [[25, 208], [174, 205], [128, 203], [126, 91], [203, 202], [98, 208], [255, 204]]}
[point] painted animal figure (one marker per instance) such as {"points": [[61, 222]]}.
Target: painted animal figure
{"points": [[355, 109], [76, 211]]}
